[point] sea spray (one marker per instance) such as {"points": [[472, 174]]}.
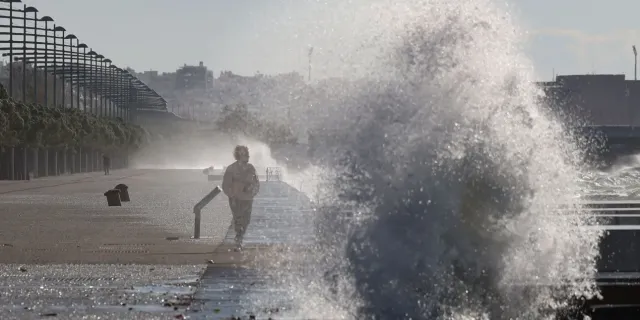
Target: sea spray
{"points": [[443, 175]]}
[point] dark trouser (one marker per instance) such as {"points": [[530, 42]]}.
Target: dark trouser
{"points": [[106, 169], [241, 211]]}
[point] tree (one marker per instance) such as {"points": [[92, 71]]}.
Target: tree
{"points": [[34, 126], [238, 119]]}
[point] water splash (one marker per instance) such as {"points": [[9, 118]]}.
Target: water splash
{"points": [[198, 152], [450, 172]]}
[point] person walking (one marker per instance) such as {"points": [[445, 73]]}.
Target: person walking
{"points": [[240, 183], [106, 163]]}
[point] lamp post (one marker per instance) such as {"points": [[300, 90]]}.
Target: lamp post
{"points": [[116, 90], [120, 93], [11, 56], [635, 64], [35, 53], [101, 84], [112, 89], [115, 98], [46, 20], [70, 37], [131, 93], [310, 53], [57, 29], [83, 77], [107, 86], [124, 89], [92, 83], [24, 49]]}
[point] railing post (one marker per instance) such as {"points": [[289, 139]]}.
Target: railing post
{"points": [[196, 224], [198, 209]]}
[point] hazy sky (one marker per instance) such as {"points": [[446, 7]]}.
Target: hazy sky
{"points": [[245, 36]]}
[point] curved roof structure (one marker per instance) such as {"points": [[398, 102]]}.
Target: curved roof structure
{"points": [[38, 42]]}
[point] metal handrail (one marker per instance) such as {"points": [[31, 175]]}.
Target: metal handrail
{"points": [[198, 208]]}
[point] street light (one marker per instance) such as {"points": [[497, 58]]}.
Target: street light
{"points": [[46, 20], [24, 50], [57, 29], [92, 83], [114, 90], [107, 86], [100, 76], [70, 37], [35, 53], [635, 65], [124, 93], [121, 95], [11, 2], [84, 77], [310, 53]]}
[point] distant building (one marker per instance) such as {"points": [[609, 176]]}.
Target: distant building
{"points": [[595, 99], [194, 77]]}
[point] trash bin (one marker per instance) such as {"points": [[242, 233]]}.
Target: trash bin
{"points": [[124, 192], [113, 198]]}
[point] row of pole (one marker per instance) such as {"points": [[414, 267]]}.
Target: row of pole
{"points": [[81, 78]]}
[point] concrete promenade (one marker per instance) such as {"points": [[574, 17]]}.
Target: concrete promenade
{"points": [[282, 219], [67, 220], [65, 253]]}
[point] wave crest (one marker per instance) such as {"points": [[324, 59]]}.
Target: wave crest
{"points": [[453, 175]]}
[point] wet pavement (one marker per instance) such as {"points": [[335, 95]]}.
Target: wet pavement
{"points": [[65, 254], [50, 224], [162, 199], [236, 292], [96, 291], [281, 216]]}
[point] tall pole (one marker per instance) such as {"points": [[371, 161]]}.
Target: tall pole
{"points": [[55, 66], [635, 64], [71, 72], [120, 95], [310, 52], [84, 79], [92, 83], [129, 97], [64, 61], [103, 88], [35, 57], [46, 20], [113, 92], [70, 37], [11, 59], [109, 97], [24, 54]]}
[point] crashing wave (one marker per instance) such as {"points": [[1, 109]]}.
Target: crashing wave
{"points": [[443, 174]]}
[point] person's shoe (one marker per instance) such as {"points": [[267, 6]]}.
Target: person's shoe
{"points": [[238, 246]]}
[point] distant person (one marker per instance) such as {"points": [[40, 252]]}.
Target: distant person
{"points": [[106, 163], [240, 183]]}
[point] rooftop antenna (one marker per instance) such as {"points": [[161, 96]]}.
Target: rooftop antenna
{"points": [[635, 64], [310, 52]]}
